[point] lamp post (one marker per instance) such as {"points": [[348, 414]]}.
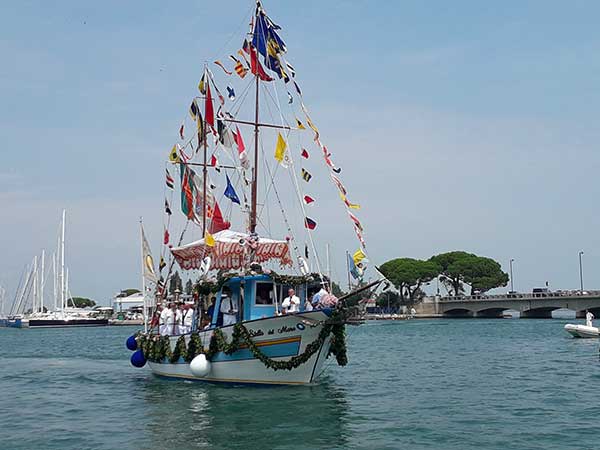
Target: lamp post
{"points": [[580, 271], [512, 288]]}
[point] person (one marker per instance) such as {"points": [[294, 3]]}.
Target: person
{"points": [[211, 310], [155, 321], [178, 319], [188, 319], [229, 309], [308, 307], [316, 299], [588, 318], [291, 304], [166, 320]]}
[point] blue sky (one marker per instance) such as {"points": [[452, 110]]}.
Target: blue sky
{"points": [[459, 125]]}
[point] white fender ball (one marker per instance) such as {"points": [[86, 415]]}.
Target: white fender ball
{"points": [[200, 366]]}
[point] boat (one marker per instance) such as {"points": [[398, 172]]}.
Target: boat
{"points": [[252, 334], [582, 331], [29, 309]]}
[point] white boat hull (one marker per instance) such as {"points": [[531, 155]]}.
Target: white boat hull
{"points": [[582, 331], [280, 338]]}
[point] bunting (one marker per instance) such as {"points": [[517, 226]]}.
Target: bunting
{"points": [[162, 264], [255, 67], [306, 176], [209, 239], [181, 132], [202, 84], [280, 148], [308, 199], [230, 93], [194, 110], [241, 148], [300, 125], [309, 223], [230, 192], [167, 208], [208, 108], [166, 237], [169, 179], [339, 184], [220, 64], [358, 256], [174, 154], [305, 154], [239, 68], [357, 223]]}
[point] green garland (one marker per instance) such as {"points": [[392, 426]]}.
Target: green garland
{"points": [[157, 348]]}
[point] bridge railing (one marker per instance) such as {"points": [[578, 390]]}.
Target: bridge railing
{"points": [[522, 296]]}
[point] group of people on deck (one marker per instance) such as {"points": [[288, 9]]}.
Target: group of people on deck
{"points": [[176, 318]]}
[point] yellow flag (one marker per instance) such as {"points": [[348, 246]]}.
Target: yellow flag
{"points": [[174, 155], [299, 124], [347, 203], [358, 256], [209, 239], [280, 148]]}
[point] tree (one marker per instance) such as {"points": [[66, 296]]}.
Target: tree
{"points": [[336, 289], [479, 272], [128, 292], [81, 302], [408, 275]]}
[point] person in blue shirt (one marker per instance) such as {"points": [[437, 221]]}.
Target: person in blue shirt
{"points": [[317, 297]]}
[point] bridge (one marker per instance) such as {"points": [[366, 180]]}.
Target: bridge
{"points": [[537, 305]]}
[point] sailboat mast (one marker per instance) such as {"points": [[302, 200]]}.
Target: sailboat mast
{"points": [[54, 281], [42, 282], [255, 171], [204, 169], [63, 286], [34, 302], [143, 277]]}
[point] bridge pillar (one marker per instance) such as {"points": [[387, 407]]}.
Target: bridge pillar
{"points": [[489, 314], [537, 314], [459, 314]]}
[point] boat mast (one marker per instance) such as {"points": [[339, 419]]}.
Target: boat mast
{"points": [[34, 301], [204, 169], [63, 286], [42, 282], [255, 171], [143, 277], [54, 281]]}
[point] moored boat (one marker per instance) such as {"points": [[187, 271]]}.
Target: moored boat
{"points": [[582, 331]]}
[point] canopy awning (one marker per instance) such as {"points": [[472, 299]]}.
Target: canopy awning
{"points": [[231, 251]]}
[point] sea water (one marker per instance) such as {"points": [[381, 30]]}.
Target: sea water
{"points": [[419, 384]]}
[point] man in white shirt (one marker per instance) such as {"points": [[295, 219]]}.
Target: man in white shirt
{"points": [[188, 319], [291, 304], [178, 319], [588, 319], [229, 310], [167, 319]]}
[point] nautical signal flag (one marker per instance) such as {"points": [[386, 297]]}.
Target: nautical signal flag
{"points": [[208, 108], [167, 208], [166, 237], [280, 148], [299, 125], [305, 153], [308, 199], [239, 68], [220, 64], [209, 239], [306, 176], [309, 223], [356, 221], [230, 192], [194, 110], [162, 264], [230, 93], [181, 132], [358, 256], [169, 179], [202, 84], [347, 202], [174, 155], [290, 98]]}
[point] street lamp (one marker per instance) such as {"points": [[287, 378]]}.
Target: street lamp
{"points": [[512, 288], [580, 271]]}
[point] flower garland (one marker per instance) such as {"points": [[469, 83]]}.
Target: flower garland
{"points": [[158, 348]]}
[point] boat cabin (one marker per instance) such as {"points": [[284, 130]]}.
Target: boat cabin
{"points": [[259, 296]]}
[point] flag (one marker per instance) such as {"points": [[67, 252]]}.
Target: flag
{"points": [[308, 199], [187, 191], [209, 239], [255, 67], [241, 148], [280, 148], [167, 208], [358, 256], [230, 192], [306, 250], [174, 155], [202, 84], [309, 223], [166, 237], [297, 89], [162, 264], [181, 132], [299, 125], [149, 273], [239, 68], [194, 110], [169, 179], [352, 267], [347, 202], [290, 98], [337, 169], [339, 184], [305, 175], [230, 93], [305, 153], [220, 64], [356, 221], [208, 108], [291, 70]]}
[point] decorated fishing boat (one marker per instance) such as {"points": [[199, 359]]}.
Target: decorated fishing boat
{"points": [[262, 309]]}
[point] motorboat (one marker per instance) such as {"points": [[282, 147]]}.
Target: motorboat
{"points": [[582, 331]]}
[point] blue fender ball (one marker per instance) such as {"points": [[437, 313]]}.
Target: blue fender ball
{"points": [[138, 359], [131, 343]]}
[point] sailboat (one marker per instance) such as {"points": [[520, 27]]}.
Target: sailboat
{"points": [[264, 326]]}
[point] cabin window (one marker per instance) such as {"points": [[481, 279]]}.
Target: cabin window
{"points": [[264, 294]]}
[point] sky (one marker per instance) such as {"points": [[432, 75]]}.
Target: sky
{"points": [[460, 125]]}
